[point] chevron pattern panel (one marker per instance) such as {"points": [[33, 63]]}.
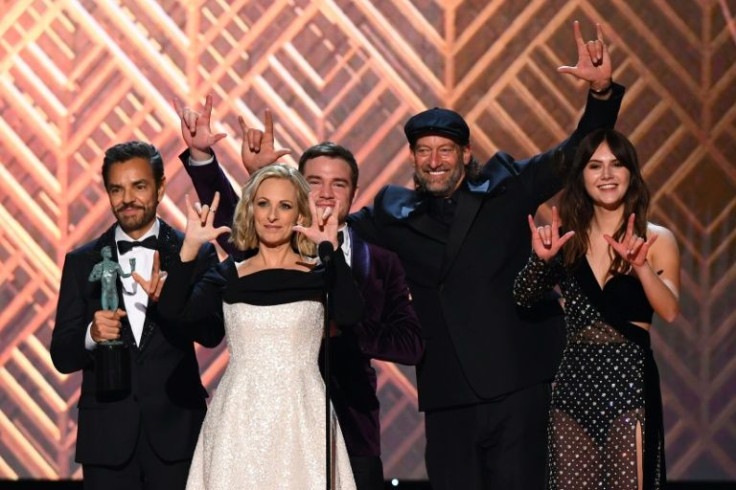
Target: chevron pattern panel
{"points": [[77, 76]]}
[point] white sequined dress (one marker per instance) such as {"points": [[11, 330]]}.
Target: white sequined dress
{"points": [[265, 428]]}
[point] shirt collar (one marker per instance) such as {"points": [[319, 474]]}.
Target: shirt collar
{"points": [[152, 231], [346, 239]]}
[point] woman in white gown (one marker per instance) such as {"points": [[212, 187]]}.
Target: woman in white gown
{"points": [[266, 424]]}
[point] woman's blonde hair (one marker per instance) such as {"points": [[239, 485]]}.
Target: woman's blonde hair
{"points": [[243, 234]]}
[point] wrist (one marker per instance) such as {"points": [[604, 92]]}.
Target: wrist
{"points": [[188, 250], [640, 267], [601, 88], [200, 155]]}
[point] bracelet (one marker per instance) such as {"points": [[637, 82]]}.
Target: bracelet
{"points": [[603, 92]]}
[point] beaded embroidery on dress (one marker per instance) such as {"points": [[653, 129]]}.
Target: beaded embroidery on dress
{"points": [[607, 385], [265, 426]]}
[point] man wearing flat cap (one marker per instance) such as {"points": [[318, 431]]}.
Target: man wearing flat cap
{"points": [[462, 237], [446, 127]]}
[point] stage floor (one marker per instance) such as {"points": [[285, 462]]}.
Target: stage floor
{"points": [[401, 485]]}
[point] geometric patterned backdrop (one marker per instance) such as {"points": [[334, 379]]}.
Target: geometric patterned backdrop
{"points": [[77, 76]]}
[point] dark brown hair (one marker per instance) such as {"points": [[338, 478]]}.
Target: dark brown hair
{"points": [[122, 152], [331, 150], [576, 206]]}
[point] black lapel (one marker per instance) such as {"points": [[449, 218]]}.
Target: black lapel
{"points": [[169, 244], [107, 239], [468, 204], [410, 208], [360, 261]]}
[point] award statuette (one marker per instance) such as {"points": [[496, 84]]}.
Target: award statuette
{"points": [[112, 358]]}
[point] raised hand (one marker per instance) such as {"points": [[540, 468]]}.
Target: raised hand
{"points": [[195, 129], [546, 240], [257, 150], [324, 223], [200, 228], [158, 277], [632, 248], [594, 61]]}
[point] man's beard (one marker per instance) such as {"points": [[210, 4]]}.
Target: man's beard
{"points": [[445, 189], [134, 223]]}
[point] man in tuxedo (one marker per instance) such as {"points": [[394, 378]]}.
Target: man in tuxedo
{"points": [[462, 236], [142, 438], [389, 330]]}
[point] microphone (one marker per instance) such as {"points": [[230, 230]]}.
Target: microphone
{"points": [[325, 251]]}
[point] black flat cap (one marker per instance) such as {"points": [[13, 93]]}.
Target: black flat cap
{"points": [[442, 122]]}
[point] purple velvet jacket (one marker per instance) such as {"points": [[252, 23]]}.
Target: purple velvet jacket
{"points": [[389, 330]]}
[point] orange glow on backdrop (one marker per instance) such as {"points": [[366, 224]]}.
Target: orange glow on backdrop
{"points": [[77, 76]]}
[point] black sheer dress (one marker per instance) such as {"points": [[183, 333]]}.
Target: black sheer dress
{"points": [[607, 383]]}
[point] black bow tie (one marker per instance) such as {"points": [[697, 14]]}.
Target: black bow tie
{"points": [[125, 246], [340, 238]]}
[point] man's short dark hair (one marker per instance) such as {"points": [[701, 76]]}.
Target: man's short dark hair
{"points": [[122, 152], [331, 150]]}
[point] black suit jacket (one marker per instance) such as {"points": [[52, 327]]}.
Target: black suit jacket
{"points": [[389, 329], [478, 344], [166, 395]]}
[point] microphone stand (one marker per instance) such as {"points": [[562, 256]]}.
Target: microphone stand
{"points": [[325, 251]]}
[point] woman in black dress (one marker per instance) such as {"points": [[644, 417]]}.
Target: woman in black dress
{"points": [[614, 271], [265, 427]]}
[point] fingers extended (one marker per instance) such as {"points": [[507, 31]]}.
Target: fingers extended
{"points": [[208, 105], [578, 35], [243, 127], [268, 128], [159, 285]]}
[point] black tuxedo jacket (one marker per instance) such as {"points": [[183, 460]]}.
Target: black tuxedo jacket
{"points": [[388, 331], [166, 395], [478, 344]]}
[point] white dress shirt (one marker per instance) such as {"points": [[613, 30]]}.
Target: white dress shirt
{"points": [[135, 299], [346, 246]]}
